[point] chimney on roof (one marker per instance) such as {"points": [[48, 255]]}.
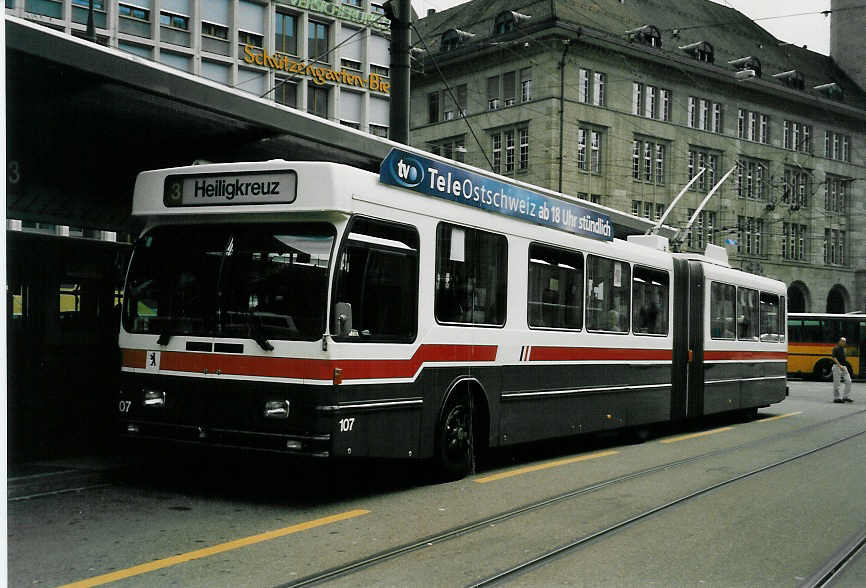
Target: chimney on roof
{"points": [[847, 23]]}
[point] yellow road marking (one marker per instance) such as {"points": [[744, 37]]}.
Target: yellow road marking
{"points": [[693, 435], [213, 550], [781, 416], [543, 466]]}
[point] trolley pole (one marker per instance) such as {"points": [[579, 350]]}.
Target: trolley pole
{"points": [[399, 12]]}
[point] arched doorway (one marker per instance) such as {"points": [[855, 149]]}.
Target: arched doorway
{"points": [[798, 297], [837, 299]]}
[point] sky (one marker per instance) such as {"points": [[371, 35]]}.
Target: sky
{"points": [[812, 29]]}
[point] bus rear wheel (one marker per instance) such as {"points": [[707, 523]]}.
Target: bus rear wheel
{"points": [[824, 370], [455, 450]]}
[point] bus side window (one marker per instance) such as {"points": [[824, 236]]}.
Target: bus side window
{"points": [[723, 315], [607, 294], [769, 329], [650, 301], [377, 280], [747, 314], [555, 291], [471, 276]]}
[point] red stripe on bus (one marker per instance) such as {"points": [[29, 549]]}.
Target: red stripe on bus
{"points": [[727, 355], [594, 353], [316, 369], [134, 358]]}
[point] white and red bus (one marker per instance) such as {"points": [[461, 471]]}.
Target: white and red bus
{"points": [[429, 311]]}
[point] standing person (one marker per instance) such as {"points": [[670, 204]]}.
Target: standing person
{"points": [[840, 372]]}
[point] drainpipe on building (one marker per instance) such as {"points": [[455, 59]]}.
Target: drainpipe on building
{"points": [[400, 15], [562, 106]]}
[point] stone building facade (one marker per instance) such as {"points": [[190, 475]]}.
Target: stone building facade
{"points": [[622, 101]]}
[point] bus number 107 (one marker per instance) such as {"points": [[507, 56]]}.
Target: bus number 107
{"points": [[347, 424]]}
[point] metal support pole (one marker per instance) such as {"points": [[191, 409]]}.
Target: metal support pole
{"points": [[400, 14]]}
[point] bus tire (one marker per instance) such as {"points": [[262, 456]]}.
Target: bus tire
{"points": [[455, 447], [824, 370]]}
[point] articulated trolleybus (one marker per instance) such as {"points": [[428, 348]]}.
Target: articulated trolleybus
{"points": [[430, 312]]}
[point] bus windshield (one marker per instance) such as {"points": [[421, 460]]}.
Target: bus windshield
{"points": [[259, 281]]}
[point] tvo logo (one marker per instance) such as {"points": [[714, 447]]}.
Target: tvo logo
{"points": [[409, 172]]}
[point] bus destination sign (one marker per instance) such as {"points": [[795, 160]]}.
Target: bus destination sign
{"points": [[434, 178], [219, 190]]}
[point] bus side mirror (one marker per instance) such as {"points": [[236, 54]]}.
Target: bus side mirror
{"points": [[343, 319]]}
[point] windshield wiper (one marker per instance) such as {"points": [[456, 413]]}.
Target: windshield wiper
{"points": [[257, 333]]}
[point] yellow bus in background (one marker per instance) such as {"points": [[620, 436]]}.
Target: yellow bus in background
{"points": [[812, 336]]}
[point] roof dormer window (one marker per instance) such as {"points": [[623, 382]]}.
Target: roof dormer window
{"points": [[702, 51], [748, 65], [507, 21], [793, 79], [454, 38], [648, 35], [831, 90]]}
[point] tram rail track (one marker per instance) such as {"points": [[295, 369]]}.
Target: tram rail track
{"points": [[837, 564], [483, 523]]}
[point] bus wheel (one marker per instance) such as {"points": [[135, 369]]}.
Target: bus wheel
{"points": [[455, 450], [824, 370]]}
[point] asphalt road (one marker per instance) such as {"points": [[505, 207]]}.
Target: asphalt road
{"points": [[170, 522]]}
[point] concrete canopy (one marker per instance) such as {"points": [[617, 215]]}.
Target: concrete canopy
{"points": [[83, 120]]}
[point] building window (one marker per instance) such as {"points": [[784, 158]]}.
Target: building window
{"points": [[648, 161], [515, 143], [379, 131], [127, 11], [509, 151], [753, 126], [350, 64], [526, 84], [750, 235], [836, 194], [797, 136], [793, 241], [286, 38], [286, 92], [834, 247], [702, 231], [523, 145], [380, 70], [317, 41], [317, 100], [509, 88], [751, 176], [705, 115], [651, 101], [650, 210], [592, 89], [797, 187], [254, 39], [175, 21], [209, 29], [837, 146], [376, 8], [433, 107], [452, 110], [493, 93], [701, 158], [454, 148], [497, 152], [589, 149]]}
